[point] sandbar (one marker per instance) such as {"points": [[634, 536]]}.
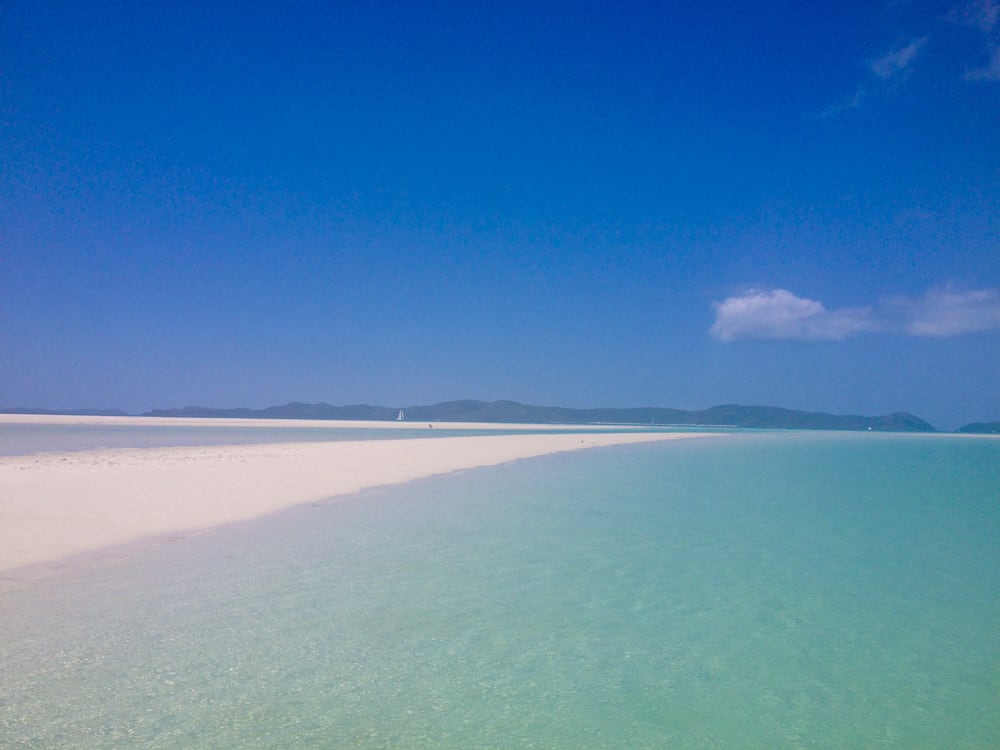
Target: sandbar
{"points": [[55, 506]]}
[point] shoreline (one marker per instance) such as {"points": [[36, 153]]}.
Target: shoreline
{"points": [[406, 424], [55, 506]]}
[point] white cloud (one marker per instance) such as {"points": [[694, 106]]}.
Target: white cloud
{"points": [[946, 312], [984, 17], [780, 315], [891, 65], [990, 71], [980, 17], [896, 62], [981, 14], [852, 102]]}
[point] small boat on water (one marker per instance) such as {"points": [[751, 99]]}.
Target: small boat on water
{"points": [[400, 417]]}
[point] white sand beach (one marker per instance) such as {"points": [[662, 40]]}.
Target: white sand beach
{"points": [[56, 505]]}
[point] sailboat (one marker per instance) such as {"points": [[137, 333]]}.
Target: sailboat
{"points": [[400, 417]]}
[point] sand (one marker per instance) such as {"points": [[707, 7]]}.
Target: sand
{"points": [[57, 505]]}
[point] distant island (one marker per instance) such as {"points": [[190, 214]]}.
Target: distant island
{"points": [[730, 415], [980, 428], [511, 412]]}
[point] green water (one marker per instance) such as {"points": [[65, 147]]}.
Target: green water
{"points": [[788, 590]]}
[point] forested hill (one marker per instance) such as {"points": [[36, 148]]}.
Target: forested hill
{"points": [[980, 428], [731, 415]]}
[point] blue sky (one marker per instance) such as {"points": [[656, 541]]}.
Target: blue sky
{"points": [[579, 204]]}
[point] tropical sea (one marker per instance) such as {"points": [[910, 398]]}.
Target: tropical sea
{"points": [[763, 590]]}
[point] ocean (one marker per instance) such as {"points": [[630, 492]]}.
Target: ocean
{"points": [[764, 590]]}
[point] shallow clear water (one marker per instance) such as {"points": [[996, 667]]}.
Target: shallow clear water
{"points": [[782, 591]]}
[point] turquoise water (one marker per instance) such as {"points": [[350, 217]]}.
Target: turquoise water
{"points": [[787, 590]]}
